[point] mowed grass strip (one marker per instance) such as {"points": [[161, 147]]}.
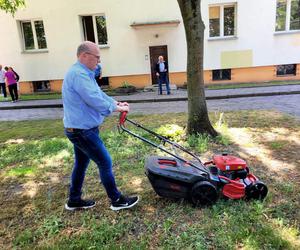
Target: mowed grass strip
{"points": [[36, 162]]}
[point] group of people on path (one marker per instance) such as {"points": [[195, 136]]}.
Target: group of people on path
{"points": [[9, 78]]}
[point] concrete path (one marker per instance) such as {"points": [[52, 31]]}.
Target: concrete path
{"points": [[284, 103], [178, 95]]}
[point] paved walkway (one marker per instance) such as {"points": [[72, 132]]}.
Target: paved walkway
{"points": [[284, 103], [287, 103], [177, 95]]}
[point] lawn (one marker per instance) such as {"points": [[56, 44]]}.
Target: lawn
{"points": [[42, 96], [36, 160], [250, 84]]}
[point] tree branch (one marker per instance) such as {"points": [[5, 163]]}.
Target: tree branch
{"points": [[11, 6]]}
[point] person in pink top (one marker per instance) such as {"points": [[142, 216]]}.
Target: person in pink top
{"points": [[11, 82]]}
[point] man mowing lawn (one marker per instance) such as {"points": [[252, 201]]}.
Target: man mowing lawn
{"points": [[85, 107]]}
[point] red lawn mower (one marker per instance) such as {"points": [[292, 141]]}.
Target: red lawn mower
{"points": [[201, 183]]}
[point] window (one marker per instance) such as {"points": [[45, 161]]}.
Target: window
{"points": [[287, 15], [287, 69], [222, 21], [41, 86], [94, 29], [221, 74], [33, 35]]}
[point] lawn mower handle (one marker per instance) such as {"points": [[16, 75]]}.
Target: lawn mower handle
{"points": [[123, 118]]}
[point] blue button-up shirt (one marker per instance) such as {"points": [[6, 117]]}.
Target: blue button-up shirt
{"points": [[85, 104], [98, 70], [161, 67]]}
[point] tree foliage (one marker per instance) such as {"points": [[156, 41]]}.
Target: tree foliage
{"points": [[11, 6]]}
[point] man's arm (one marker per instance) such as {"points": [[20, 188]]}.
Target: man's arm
{"points": [[166, 67], [107, 97], [157, 69], [92, 95], [121, 104]]}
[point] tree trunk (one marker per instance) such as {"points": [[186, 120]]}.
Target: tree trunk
{"points": [[198, 120]]}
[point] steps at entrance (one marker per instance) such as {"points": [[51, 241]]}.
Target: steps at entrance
{"points": [[155, 87]]}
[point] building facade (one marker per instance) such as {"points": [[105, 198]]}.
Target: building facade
{"points": [[245, 41]]}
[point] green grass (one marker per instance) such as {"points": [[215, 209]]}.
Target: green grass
{"points": [[36, 162], [44, 96], [250, 84], [277, 144], [22, 171]]}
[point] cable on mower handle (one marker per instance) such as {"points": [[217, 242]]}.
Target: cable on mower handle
{"points": [[123, 118]]}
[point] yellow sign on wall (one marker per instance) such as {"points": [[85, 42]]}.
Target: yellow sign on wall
{"points": [[236, 59]]}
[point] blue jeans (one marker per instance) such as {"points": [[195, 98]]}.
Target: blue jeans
{"points": [[88, 145], [3, 87], [163, 78]]}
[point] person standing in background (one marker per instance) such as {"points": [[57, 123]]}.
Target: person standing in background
{"points": [[2, 82], [11, 82], [98, 74], [17, 80], [162, 70]]}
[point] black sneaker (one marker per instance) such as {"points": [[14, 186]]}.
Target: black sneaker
{"points": [[81, 204], [124, 202]]}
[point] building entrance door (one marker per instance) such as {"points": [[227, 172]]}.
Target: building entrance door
{"points": [[155, 52]]}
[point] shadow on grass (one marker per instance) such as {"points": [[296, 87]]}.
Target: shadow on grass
{"points": [[37, 218]]}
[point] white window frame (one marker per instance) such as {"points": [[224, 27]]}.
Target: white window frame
{"points": [[222, 6], [287, 19], [36, 46], [95, 29]]}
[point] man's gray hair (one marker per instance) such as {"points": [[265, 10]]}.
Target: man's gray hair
{"points": [[84, 47]]}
